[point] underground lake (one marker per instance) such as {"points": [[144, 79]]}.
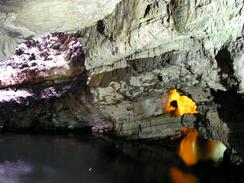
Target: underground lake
{"points": [[59, 158]]}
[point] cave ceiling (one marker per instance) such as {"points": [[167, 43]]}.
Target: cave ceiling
{"points": [[21, 20]]}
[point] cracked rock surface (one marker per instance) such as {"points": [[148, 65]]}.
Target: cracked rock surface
{"points": [[146, 47]]}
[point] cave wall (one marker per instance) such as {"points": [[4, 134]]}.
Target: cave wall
{"points": [[147, 47], [134, 55]]}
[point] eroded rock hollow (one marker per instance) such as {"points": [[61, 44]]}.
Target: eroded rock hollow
{"points": [[114, 75]]}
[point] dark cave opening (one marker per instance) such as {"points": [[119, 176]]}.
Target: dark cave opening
{"points": [[224, 61], [225, 64], [230, 110], [230, 107], [100, 26]]}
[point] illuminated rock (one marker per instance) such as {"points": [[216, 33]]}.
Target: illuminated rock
{"points": [[55, 56], [179, 104], [44, 86]]}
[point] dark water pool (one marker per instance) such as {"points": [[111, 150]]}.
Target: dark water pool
{"points": [[88, 159]]}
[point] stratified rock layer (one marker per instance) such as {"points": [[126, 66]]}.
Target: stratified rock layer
{"points": [[146, 47]]}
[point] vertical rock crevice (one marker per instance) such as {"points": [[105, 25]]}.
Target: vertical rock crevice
{"points": [[226, 69]]}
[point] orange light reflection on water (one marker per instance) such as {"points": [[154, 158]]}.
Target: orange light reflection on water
{"points": [[188, 150], [191, 150], [178, 176]]}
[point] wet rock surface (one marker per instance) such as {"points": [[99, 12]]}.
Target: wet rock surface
{"points": [[128, 61]]}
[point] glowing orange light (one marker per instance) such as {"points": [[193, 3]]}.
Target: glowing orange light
{"points": [[179, 105], [177, 176], [188, 150], [191, 151]]}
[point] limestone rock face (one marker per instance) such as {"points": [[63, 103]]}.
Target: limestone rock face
{"points": [[44, 86], [51, 57], [239, 71], [21, 20], [143, 48], [146, 47]]}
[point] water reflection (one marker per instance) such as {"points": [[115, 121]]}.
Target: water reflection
{"points": [[14, 172], [84, 158], [88, 159], [194, 148], [178, 176], [188, 150]]}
